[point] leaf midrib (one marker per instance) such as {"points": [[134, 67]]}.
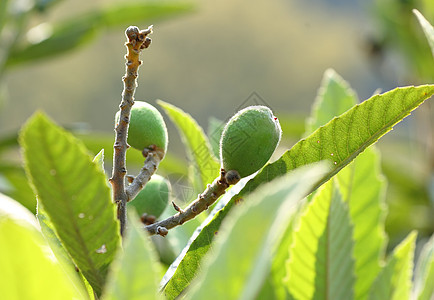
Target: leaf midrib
{"points": [[371, 140]]}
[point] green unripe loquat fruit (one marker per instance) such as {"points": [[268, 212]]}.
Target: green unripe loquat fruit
{"points": [[249, 139], [146, 127], [153, 198]]}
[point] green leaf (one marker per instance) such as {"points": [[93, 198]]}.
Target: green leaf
{"points": [[51, 237], [427, 29], [361, 184], [196, 144], [75, 195], [134, 273], [27, 270], [215, 129], [70, 34], [321, 264], [281, 256], [335, 97], [358, 128], [363, 189], [243, 250], [394, 280], [424, 274], [99, 160], [345, 137]]}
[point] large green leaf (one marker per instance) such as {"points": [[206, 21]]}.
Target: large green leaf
{"points": [[237, 268], [196, 143], [360, 182], [424, 274], [281, 255], [394, 280], [363, 189], [427, 29], [27, 270], [70, 34], [321, 264], [334, 98], [74, 193], [135, 272], [339, 141]]}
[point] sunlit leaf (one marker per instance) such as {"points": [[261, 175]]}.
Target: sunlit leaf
{"points": [[339, 141], [428, 29], [74, 194], [424, 274], [360, 182], [335, 97], [394, 280], [242, 255], [99, 159], [27, 270], [321, 263]]}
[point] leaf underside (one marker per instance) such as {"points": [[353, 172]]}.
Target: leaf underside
{"points": [[205, 166], [321, 264], [394, 280], [237, 267]]}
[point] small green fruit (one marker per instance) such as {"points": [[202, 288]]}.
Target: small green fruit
{"points": [[249, 139], [146, 128], [153, 198]]}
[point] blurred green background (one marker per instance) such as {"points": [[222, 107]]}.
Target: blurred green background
{"points": [[210, 58]]}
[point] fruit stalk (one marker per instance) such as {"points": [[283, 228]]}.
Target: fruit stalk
{"points": [[153, 158], [203, 201], [137, 41]]}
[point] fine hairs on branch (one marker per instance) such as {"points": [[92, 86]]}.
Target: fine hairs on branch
{"points": [[137, 41]]}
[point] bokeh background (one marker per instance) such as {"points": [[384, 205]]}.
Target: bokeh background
{"points": [[209, 58]]}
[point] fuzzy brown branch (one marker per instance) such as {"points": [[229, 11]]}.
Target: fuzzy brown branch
{"points": [[203, 201], [137, 41]]}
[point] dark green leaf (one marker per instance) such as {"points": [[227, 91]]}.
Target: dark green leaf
{"points": [[75, 195]]}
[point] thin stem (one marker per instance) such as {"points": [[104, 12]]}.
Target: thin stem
{"points": [[203, 201], [137, 41], [153, 157]]}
